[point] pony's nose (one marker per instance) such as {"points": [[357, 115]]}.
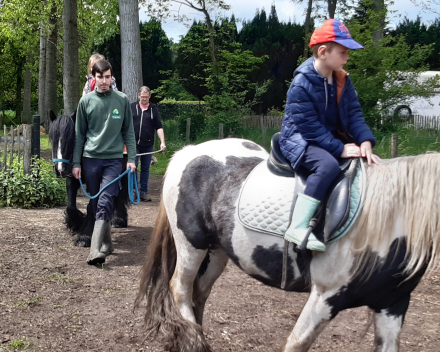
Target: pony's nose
{"points": [[57, 172]]}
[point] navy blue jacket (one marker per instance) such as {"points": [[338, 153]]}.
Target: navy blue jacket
{"points": [[304, 117]]}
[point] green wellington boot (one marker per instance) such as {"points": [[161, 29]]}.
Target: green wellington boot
{"points": [[107, 245], [95, 256], [304, 209]]}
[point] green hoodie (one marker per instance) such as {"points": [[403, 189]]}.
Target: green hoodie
{"points": [[104, 123]]}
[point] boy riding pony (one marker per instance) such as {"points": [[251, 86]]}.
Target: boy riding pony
{"points": [[323, 122]]}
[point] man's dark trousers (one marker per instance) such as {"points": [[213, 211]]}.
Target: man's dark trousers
{"points": [[145, 165], [98, 173]]}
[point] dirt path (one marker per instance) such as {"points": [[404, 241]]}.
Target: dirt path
{"points": [[51, 300]]}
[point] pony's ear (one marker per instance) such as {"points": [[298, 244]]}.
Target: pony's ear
{"points": [[52, 116], [73, 116]]}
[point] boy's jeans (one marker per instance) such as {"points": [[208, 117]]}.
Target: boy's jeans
{"points": [[324, 168]]}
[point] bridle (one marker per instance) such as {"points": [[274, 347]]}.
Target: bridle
{"points": [[64, 161]]}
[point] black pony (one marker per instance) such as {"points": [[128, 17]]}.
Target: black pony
{"points": [[62, 138]]}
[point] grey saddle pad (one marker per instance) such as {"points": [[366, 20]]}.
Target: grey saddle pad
{"points": [[265, 202]]}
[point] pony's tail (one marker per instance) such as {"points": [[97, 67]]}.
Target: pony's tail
{"points": [[161, 314]]}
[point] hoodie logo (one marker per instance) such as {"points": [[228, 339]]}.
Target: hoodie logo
{"points": [[116, 114]]}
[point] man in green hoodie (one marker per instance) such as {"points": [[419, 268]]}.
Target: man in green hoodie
{"points": [[103, 125]]}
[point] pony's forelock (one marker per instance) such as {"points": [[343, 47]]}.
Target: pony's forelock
{"points": [[405, 189], [63, 128]]}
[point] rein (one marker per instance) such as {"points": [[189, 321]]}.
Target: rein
{"points": [[132, 180], [157, 151], [132, 184]]}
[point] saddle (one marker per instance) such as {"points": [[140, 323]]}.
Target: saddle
{"points": [[269, 194]]}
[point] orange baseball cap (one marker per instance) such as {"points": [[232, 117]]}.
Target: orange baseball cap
{"points": [[334, 30]]}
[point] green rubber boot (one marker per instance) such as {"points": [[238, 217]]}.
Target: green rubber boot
{"points": [[304, 209], [107, 245], [95, 256]]}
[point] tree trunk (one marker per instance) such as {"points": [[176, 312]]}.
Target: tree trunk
{"points": [[211, 31], [42, 73], [1, 103], [27, 118], [331, 4], [19, 87], [51, 70], [307, 29], [131, 56], [380, 12], [70, 56]]}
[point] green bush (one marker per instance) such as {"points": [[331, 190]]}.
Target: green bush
{"points": [[40, 188], [9, 118], [197, 123], [170, 109]]}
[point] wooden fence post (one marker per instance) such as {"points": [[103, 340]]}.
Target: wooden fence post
{"points": [[36, 136], [27, 133], [263, 132], [5, 151], [20, 127], [188, 131], [394, 142], [11, 159], [220, 131]]}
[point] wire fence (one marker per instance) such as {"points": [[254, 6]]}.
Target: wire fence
{"points": [[415, 134]]}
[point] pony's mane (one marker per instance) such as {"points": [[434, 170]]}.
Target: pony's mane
{"points": [[405, 188], [63, 128]]}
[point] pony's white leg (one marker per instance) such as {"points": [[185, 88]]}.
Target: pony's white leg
{"points": [[187, 266], [314, 318], [216, 262], [387, 331]]}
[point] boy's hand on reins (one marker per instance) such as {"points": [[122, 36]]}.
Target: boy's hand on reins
{"points": [[131, 166], [367, 152], [76, 172], [351, 150]]}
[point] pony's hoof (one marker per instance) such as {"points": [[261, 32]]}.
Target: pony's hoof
{"points": [[82, 241], [99, 258], [119, 223]]}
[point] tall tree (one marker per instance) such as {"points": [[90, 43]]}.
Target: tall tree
{"points": [[375, 70], [70, 56], [42, 71], [156, 53], [204, 7], [307, 24], [430, 6], [27, 118], [19, 86], [19, 27], [307, 28], [130, 48], [417, 33], [51, 68], [331, 5], [380, 12], [283, 43]]}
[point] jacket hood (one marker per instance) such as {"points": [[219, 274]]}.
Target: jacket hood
{"points": [[307, 68]]}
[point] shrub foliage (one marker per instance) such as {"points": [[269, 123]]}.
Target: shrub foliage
{"points": [[39, 188]]}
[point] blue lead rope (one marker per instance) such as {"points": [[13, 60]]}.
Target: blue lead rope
{"points": [[132, 184], [132, 180]]}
